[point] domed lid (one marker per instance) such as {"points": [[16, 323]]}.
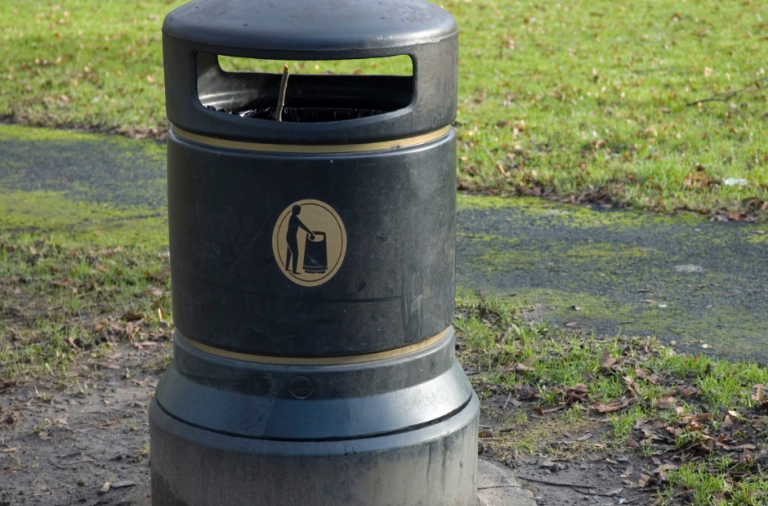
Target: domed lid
{"points": [[371, 108], [299, 29]]}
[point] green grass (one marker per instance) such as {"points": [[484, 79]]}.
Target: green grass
{"points": [[63, 298], [89, 62], [590, 97], [513, 356], [711, 485], [577, 98]]}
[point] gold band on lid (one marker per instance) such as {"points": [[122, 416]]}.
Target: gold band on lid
{"points": [[350, 359], [307, 148]]}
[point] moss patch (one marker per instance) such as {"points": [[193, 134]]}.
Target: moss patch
{"points": [[86, 167], [50, 214]]}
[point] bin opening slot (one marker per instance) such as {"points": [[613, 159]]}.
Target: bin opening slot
{"points": [[316, 91]]}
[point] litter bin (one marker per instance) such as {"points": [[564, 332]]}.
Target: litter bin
{"points": [[312, 263], [316, 253]]}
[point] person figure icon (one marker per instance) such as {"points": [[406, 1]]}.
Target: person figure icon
{"points": [[294, 224]]}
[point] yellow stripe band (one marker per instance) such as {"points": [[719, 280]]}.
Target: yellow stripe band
{"points": [[351, 359], [306, 148]]}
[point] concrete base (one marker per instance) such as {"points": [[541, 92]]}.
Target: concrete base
{"points": [[428, 466], [497, 486]]}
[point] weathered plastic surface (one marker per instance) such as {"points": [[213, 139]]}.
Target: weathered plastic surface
{"points": [[195, 33], [310, 402], [394, 288]]}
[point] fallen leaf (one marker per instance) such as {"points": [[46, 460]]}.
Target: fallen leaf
{"points": [[130, 316], [160, 277], [578, 392], [543, 411], [610, 406], [607, 361], [628, 471], [665, 402], [697, 180], [520, 368]]}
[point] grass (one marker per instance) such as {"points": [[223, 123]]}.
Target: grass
{"points": [[589, 98], [62, 299], [569, 379], [579, 100]]}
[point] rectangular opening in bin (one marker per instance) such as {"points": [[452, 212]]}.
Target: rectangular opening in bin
{"points": [[316, 91]]}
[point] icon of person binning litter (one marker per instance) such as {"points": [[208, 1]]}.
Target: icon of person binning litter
{"points": [[309, 242], [294, 224]]}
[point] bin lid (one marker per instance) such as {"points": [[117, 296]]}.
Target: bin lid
{"points": [[195, 34], [306, 27]]}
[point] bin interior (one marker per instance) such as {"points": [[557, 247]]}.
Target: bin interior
{"points": [[309, 98]]}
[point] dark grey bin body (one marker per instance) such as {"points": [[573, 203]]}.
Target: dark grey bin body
{"points": [[343, 391]]}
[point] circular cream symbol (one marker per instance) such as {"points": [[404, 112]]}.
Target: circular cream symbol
{"points": [[309, 242]]}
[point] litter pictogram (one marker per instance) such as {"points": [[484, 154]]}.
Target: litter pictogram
{"points": [[309, 242]]}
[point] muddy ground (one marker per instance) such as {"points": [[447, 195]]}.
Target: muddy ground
{"points": [[61, 449]]}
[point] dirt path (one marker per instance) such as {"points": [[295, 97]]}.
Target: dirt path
{"points": [[60, 448]]}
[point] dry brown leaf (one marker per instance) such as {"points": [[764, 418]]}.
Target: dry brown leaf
{"points": [[520, 368], [607, 361], [543, 411], [576, 393], [130, 316], [665, 402], [697, 180], [609, 406]]}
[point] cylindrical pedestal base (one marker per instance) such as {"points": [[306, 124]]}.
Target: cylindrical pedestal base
{"points": [[434, 465]]}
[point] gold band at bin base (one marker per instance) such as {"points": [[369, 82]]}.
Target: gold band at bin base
{"points": [[349, 359], [307, 148]]}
